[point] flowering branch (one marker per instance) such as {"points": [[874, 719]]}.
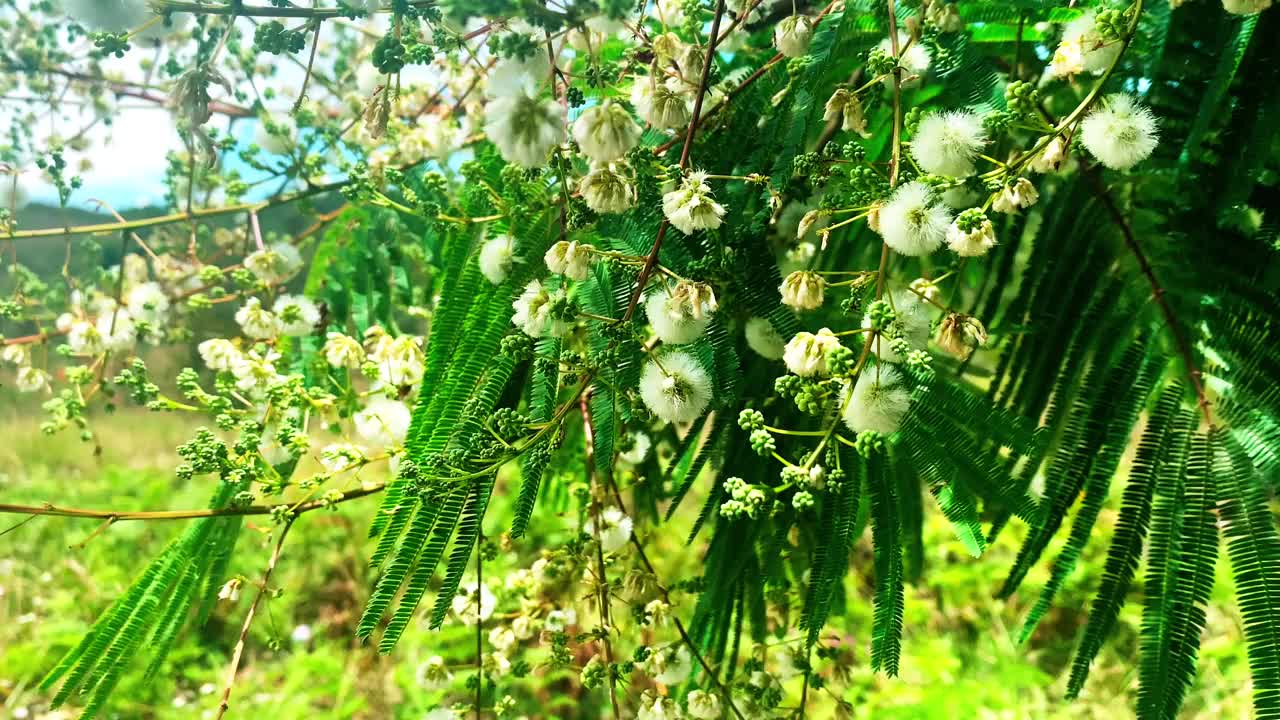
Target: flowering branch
{"points": [[122, 515], [652, 258]]}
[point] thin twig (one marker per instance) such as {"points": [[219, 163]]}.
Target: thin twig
{"points": [[725, 692], [122, 515], [602, 579], [652, 260], [248, 621], [1157, 292]]}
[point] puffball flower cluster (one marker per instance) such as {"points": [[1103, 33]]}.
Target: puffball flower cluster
{"points": [[911, 319], [690, 207], [1083, 48], [971, 235], [275, 135], [606, 131], [792, 36], [275, 263], [383, 423], [681, 314], [524, 127], [1121, 133], [1245, 7], [147, 302], [806, 353], [803, 290], [615, 529], [913, 222], [1050, 159], [474, 603], [878, 401], [256, 321], [675, 387], [764, 339], [670, 665], [219, 354], [400, 360], [607, 188], [496, 257], [703, 705], [534, 312], [847, 108], [571, 259], [297, 315], [342, 351], [947, 143], [663, 105], [1021, 194], [914, 59]]}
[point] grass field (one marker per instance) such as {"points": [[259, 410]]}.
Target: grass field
{"points": [[961, 657]]}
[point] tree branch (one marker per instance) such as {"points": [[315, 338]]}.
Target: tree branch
{"points": [[652, 260], [1157, 291], [122, 515]]}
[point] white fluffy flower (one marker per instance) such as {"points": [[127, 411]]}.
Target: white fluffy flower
{"points": [[558, 620], [298, 315], [339, 457], [911, 320], [255, 370], [219, 354], [878, 402], [806, 353], [640, 444], [675, 387], [109, 15], [847, 108], [679, 315], [792, 35], [256, 321], [276, 135], [615, 529], [117, 330], [1083, 48], [670, 665], [1050, 159], [84, 339], [533, 312], [400, 360], [147, 302], [803, 290], [912, 222], [690, 207], [704, 705], [973, 243], [657, 707], [275, 263], [1120, 133], [17, 355], [1245, 7], [524, 128], [607, 188], [433, 674], [31, 379], [606, 131], [513, 76], [495, 258], [570, 258], [914, 60], [1012, 198], [383, 422], [342, 351], [663, 104], [947, 143], [474, 603], [764, 339]]}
